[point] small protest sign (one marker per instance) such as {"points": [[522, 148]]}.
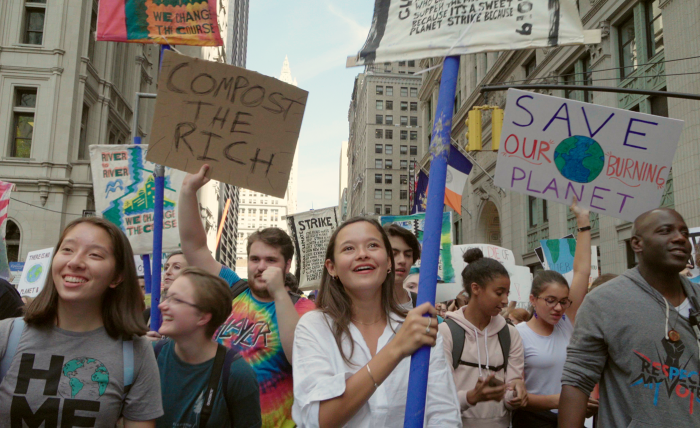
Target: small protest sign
{"points": [[243, 124], [125, 194], [36, 269], [16, 269], [558, 255], [311, 231], [503, 255], [410, 30], [615, 162], [416, 223], [520, 283]]}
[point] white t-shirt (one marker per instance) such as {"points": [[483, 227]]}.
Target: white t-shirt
{"points": [[320, 374], [545, 357], [684, 308]]}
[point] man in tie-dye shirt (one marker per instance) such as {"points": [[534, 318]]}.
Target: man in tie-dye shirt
{"points": [[264, 316]]}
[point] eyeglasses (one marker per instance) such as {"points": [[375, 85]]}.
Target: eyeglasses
{"points": [[552, 302], [165, 298]]}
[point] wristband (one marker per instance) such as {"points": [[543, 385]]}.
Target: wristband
{"points": [[584, 228], [372, 377]]}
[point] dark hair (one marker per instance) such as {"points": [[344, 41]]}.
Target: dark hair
{"points": [[212, 296], [175, 253], [545, 277], [122, 306], [290, 281], [480, 270], [602, 280], [408, 237], [334, 301], [274, 237]]}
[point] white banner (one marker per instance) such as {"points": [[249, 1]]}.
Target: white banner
{"points": [[36, 269], [410, 30], [616, 162], [125, 194], [311, 231]]}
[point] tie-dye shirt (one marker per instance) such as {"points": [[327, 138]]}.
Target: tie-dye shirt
{"points": [[251, 329]]}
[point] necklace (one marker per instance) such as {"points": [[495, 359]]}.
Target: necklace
{"points": [[367, 323], [673, 335]]}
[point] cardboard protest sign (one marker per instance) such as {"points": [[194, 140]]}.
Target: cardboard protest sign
{"points": [[409, 30], [168, 22], [243, 124], [36, 269], [125, 194], [559, 256], [614, 161], [311, 231], [415, 223]]}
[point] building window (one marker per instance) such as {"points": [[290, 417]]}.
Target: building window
{"points": [[13, 237], [380, 90], [402, 63], [378, 134], [414, 135], [404, 92], [378, 163], [404, 105], [389, 91], [403, 150], [380, 105], [403, 194], [389, 149], [655, 28], [387, 209], [83, 152], [388, 164], [404, 135], [388, 179], [387, 194], [23, 128], [389, 119], [35, 12], [93, 31], [530, 66], [414, 121], [545, 211], [414, 92], [411, 63], [377, 179], [378, 208], [414, 106], [404, 120], [379, 119], [532, 210], [377, 193], [404, 179], [389, 134], [389, 105], [628, 47], [403, 209], [404, 164], [378, 148], [414, 150]]}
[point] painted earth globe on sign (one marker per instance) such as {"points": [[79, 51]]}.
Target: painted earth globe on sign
{"points": [[34, 273], [83, 378], [579, 158]]}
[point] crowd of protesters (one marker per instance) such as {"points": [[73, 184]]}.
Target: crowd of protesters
{"points": [[230, 352]]}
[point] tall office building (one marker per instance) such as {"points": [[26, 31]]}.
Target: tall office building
{"points": [[257, 210], [343, 181], [385, 138]]}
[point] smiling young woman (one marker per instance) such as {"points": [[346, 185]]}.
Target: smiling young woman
{"points": [[81, 349]]}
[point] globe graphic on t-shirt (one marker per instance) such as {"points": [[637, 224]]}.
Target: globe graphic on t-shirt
{"points": [[579, 158], [34, 273], [83, 379]]}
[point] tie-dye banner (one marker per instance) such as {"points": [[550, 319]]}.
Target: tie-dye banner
{"points": [[167, 22]]}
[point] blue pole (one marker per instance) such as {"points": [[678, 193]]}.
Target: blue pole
{"points": [[147, 272], [439, 149]]}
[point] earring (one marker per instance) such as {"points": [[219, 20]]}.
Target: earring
{"points": [[535, 314]]}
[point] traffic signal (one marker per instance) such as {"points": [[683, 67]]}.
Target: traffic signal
{"points": [[496, 125], [474, 127], [474, 130]]}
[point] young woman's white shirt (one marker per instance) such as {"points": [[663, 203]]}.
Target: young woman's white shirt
{"points": [[320, 374]]}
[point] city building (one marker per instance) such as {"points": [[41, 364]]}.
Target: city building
{"points": [[646, 45], [343, 178], [257, 210], [385, 139]]}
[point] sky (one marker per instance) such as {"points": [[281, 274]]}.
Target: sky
{"points": [[317, 36]]}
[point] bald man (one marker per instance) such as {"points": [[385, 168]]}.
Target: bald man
{"points": [[633, 337]]}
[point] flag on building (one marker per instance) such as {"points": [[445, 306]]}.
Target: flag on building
{"points": [[458, 169], [5, 191], [421, 193]]}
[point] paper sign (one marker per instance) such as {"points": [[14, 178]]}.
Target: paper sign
{"points": [[559, 256], [311, 231], [125, 194], [616, 162], [36, 269], [416, 223], [410, 30], [695, 241], [243, 124], [503, 255], [16, 269], [520, 283]]}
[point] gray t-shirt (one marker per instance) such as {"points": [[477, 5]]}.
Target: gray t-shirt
{"points": [[65, 378]]}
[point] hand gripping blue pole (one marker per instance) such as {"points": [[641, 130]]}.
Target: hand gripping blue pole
{"points": [[439, 150]]}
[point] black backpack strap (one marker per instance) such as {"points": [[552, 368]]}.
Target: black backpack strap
{"points": [[483, 366], [457, 333], [210, 393], [238, 287], [504, 340], [231, 356], [159, 346], [414, 298]]}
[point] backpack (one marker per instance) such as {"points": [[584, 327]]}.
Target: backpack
{"points": [[221, 369], [16, 333], [458, 337], [240, 286]]}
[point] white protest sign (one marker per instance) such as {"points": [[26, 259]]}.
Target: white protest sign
{"points": [[503, 255], [311, 231], [520, 283], [36, 269], [410, 30], [614, 161], [695, 241]]}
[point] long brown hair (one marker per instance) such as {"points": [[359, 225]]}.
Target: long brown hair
{"points": [[335, 302], [122, 305]]}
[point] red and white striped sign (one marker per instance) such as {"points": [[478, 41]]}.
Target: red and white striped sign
{"points": [[5, 190]]}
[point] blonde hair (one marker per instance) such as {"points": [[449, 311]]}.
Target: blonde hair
{"points": [[212, 296]]}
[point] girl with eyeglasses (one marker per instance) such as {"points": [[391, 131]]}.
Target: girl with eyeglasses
{"points": [[547, 334]]}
